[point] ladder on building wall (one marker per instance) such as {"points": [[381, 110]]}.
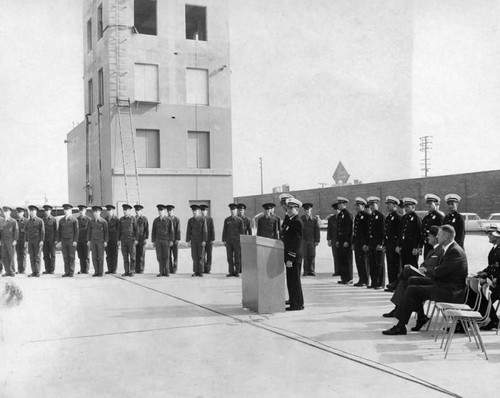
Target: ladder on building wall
{"points": [[119, 93]]}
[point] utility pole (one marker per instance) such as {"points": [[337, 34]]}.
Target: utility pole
{"points": [[261, 178], [425, 147]]}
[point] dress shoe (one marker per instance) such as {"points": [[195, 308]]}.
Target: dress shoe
{"points": [[304, 274], [45, 272], [359, 284], [93, 275], [200, 275], [237, 275], [341, 282], [300, 308], [37, 275], [206, 272], [30, 275], [312, 273], [335, 274], [108, 272], [3, 275], [125, 274], [287, 302], [420, 322], [131, 274], [100, 275], [390, 314], [392, 285], [229, 275], [194, 274], [378, 287], [370, 287], [389, 290], [159, 275], [395, 331], [489, 326]]}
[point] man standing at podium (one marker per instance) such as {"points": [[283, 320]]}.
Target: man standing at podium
{"points": [[268, 225], [292, 239]]}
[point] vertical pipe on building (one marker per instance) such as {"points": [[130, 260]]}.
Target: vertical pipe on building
{"points": [[87, 159], [99, 106]]}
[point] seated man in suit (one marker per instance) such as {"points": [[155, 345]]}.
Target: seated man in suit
{"points": [[449, 284], [418, 276]]}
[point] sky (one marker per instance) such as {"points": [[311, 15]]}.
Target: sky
{"points": [[294, 81]]}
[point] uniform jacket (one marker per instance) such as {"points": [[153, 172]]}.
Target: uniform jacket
{"points": [[456, 220], [292, 239], [142, 228], [210, 229], [83, 224], [163, 230], [9, 231], [233, 228], [430, 219], [332, 229], [360, 229], [492, 271], [127, 229], [196, 230], [392, 229], [21, 224], [449, 276], [376, 229], [310, 229], [50, 224], [247, 225], [177, 227], [68, 229], [344, 227], [268, 227], [410, 231], [433, 258], [97, 230], [113, 222], [35, 230]]}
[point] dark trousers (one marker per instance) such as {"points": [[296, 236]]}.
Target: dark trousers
{"points": [[34, 252], [345, 263], [403, 281], [207, 259], [413, 300], [483, 305], [335, 255], [162, 248], [8, 252], [393, 263], [233, 253], [97, 248], [83, 256], [139, 256], [49, 255], [309, 256], [112, 255], [376, 266], [407, 256], [174, 251], [294, 285], [68, 253], [360, 259], [197, 257], [21, 256], [128, 253]]}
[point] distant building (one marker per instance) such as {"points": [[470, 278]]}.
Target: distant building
{"points": [[158, 107]]}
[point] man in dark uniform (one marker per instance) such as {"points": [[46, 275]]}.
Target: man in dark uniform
{"points": [[9, 235], [267, 224], [344, 239], [142, 237], [233, 228], [82, 248], [391, 238], [127, 237], [35, 235], [310, 239], [112, 247], [360, 240], [375, 256], [410, 233], [67, 234], [21, 242], [49, 244], [454, 218], [433, 217], [207, 254], [97, 240], [292, 240], [331, 237], [174, 250], [162, 236], [196, 238], [247, 224]]}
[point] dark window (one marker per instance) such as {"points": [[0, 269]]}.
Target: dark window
{"points": [[145, 16], [90, 90], [89, 35], [147, 146], [100, 27], [101, 86], [196, 23]]}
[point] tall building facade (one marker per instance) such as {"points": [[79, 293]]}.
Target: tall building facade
{"points": [[157, 123]]}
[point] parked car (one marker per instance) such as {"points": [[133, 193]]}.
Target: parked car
{"points": [[493, 218], [323, 222], [473, 222]]}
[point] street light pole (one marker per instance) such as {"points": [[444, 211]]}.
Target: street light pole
{"points": [[261, 178]]}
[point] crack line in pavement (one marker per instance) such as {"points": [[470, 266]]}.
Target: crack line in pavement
{"points": [[312, 343], [127, 332]]}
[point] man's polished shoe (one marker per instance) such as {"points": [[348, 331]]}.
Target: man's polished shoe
{"points": [[389, 290], [312, 274], [295, 308], [390, 314], [126, 274], [360, 284], [237, 275], [335, 274], [395, 331], [392, 285], [420, 323], [378, 287], [489, 326]]}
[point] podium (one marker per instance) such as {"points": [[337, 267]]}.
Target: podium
{"points": [[263, 274]]}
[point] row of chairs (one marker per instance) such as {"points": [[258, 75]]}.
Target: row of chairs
{"points": [[448, 315]]}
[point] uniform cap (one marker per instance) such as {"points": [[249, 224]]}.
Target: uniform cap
{"points": [[67, 206], [20, 209], [268, 206], [373, 199], [452, 197], [360, 201], [7, 208], [82, 207], [204, 207], [138, 207], [33, 207], [341, 199], [170, 207], [292, 202], [47, 207], [307, 206], [233, 206], [284, 197], [161, 207], [409, 201], [241, 206], [110, 207], [430, 197], [492, 229], [125, 206], [195, 207], [96, 208], [335, 206], [392, 199]]}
